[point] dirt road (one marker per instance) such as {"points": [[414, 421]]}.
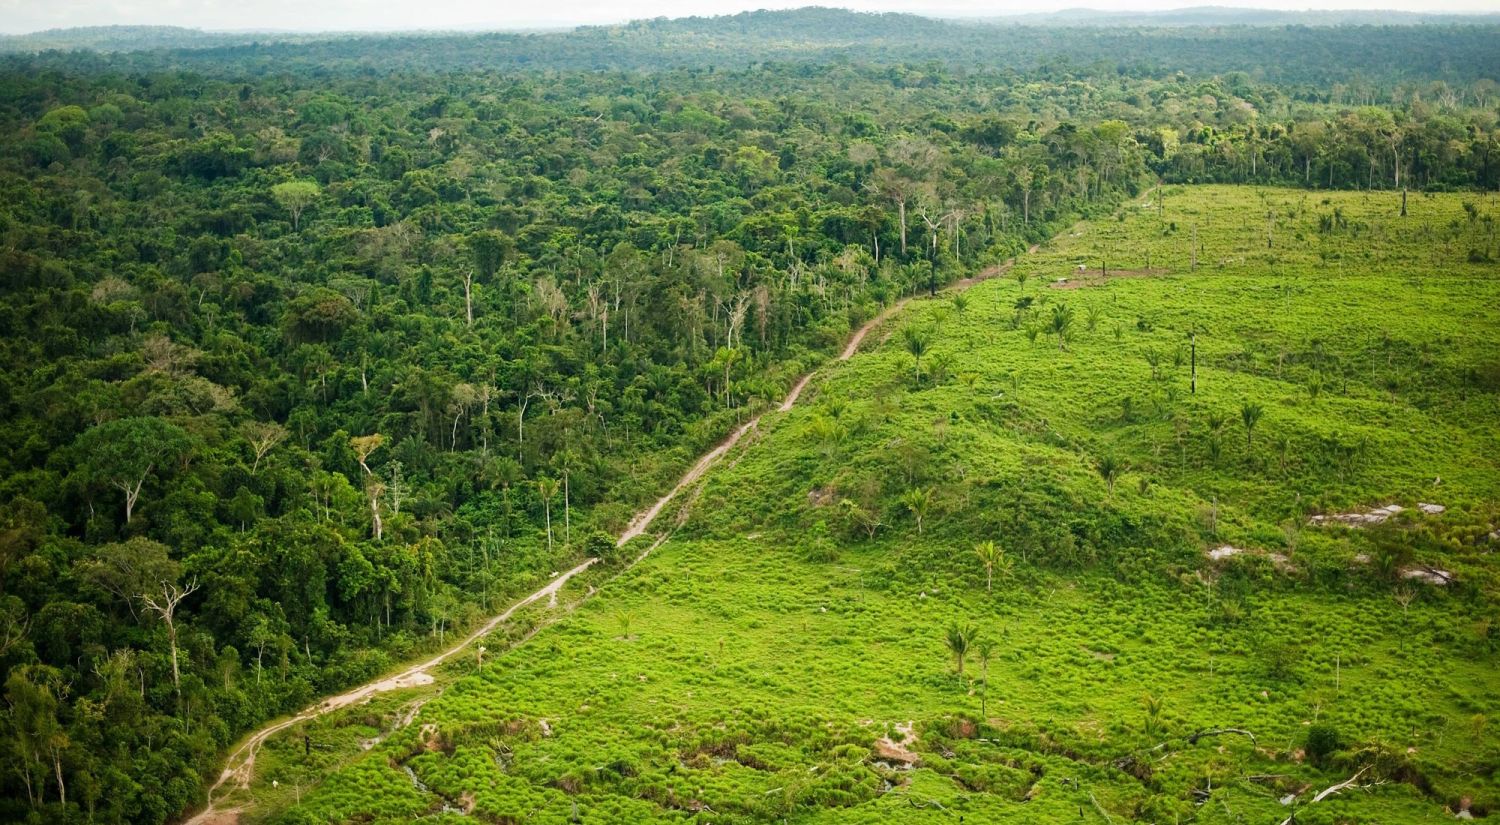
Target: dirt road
{"points": [[240, 766]]}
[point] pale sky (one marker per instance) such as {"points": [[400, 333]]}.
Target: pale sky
{"points": [[349, 15]]}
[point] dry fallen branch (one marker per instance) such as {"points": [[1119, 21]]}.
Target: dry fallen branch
{"points": [[1102, 812], [1333, 789]]}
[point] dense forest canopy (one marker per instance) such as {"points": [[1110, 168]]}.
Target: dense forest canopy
{"points": [[314, 351]]}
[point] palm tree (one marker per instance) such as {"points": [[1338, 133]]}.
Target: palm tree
{"points": [[1109, 470], [917, 340], [917, 501], [547, 489], [959, 639], [1092, 316], [1250, 413], [1061, 323], [1153, 357], [991, 557], [986, 650]]}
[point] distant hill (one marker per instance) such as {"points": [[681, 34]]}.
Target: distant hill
{"points": [[1237, 16], [134, 38], [1322, 48]]}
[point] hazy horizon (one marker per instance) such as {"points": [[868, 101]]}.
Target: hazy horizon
{"points": [[28, 16]]}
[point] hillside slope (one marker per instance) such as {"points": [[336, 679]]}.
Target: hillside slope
{"points": [[1168, 631]]}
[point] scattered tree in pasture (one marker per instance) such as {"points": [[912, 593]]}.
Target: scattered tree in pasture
{"points": [[917, 501], [865, 519], [959, 639], [917, 340], [1152, 725], [993, 558], [1250, 415], [1109, 468], [1061, 324], [1153, 358], [986, 650]]}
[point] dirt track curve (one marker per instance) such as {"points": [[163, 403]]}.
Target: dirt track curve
{"points": [[239, 767]]}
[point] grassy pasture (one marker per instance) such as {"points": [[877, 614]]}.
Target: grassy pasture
{"points": [[767, 662]]}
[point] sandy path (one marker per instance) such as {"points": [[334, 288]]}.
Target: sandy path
{"points": [[240, 766]]}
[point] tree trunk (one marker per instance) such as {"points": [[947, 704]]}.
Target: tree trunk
{"points": [[901, 209], [375, 522], [62, 788], [172, 641], [469, 298]]}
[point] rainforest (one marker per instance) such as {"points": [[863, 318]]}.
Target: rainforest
{"points": [[806, 416]]}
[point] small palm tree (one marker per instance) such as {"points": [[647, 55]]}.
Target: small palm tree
{"points": [[1216, 422], [917, 501], [1250, 413], [1109, 470], [1153, 357], [960, 637], [986, 651], [992, 557], [917, 341], [1060, 324]]}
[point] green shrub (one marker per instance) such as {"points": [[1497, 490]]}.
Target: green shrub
{"points": [[1322, 742]]}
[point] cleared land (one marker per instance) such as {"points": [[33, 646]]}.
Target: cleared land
{"points": [[772, 661]]}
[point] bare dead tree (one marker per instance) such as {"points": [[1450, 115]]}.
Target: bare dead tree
{"points": [[163, 601]]}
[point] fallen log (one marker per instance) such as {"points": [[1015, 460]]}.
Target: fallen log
{"points": [[1331, 790]]}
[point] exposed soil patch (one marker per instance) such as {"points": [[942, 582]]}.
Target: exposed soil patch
{"points": [[1228, 551], [1428, 575], [898, 752], [1379, 515]]}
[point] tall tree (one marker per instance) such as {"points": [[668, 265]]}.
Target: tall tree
{"points": [[125, 452]]}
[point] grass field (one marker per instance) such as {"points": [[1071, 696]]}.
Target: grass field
{"points": [[785, 656]]}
